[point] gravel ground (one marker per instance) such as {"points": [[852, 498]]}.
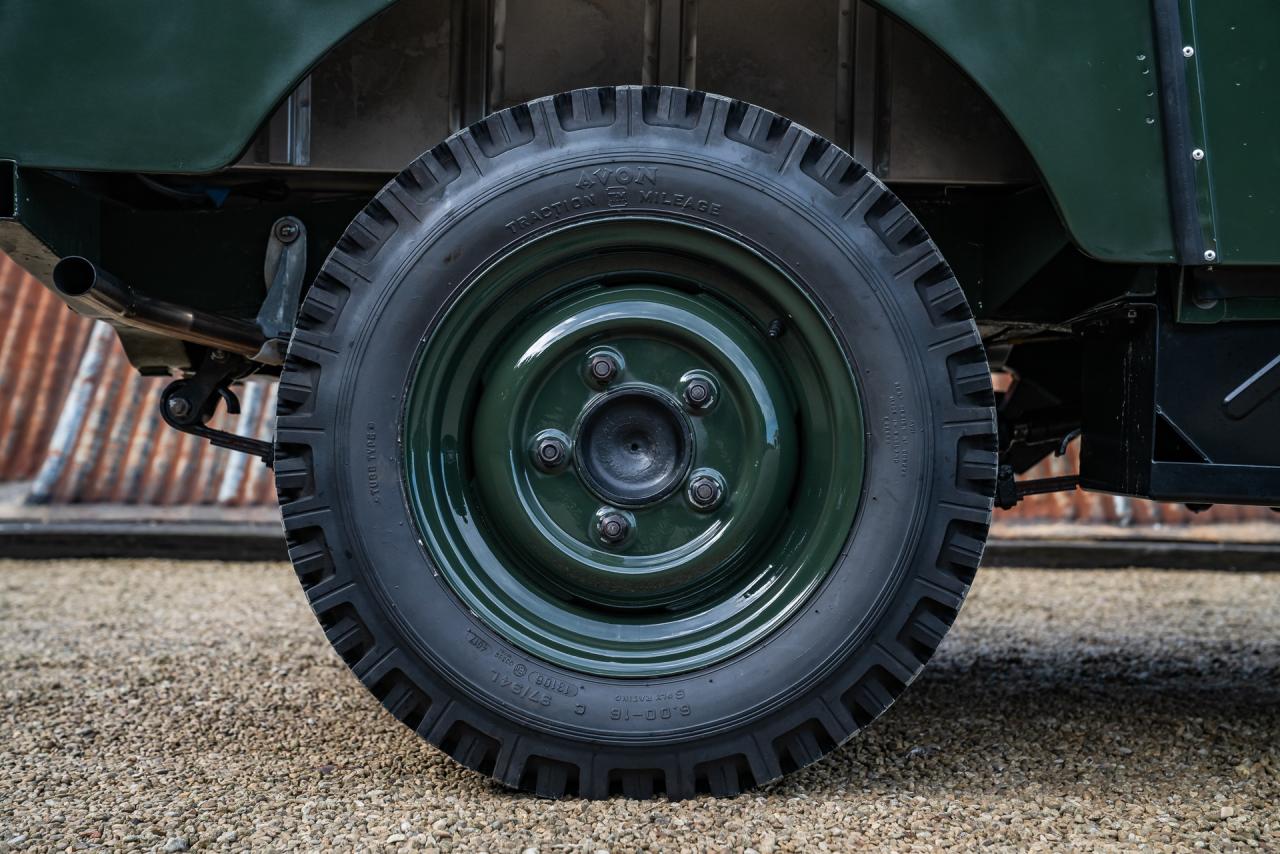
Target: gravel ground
{"points": [[159, 706]]}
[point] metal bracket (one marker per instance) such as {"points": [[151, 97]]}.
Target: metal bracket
{"points": [[289, 129], [188, 404], [1254, 391], [670, 43], [284, 271], [1010, 491]]}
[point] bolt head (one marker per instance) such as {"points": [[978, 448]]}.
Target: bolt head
{"points": [[602, 368], [287, 231], [1188, 51], [613, 528], [179, 407], [705, 492], [1197, 154], [1210, 255], [550, 452], [699, 393]]}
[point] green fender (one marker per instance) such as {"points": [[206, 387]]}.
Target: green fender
{"points": [[182, 85], [155, 85], [1078, 82]]}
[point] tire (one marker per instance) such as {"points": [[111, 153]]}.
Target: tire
{"points": [[398, 358]]}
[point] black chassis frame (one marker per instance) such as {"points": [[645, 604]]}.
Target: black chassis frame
{"points": [[1178, 411]]}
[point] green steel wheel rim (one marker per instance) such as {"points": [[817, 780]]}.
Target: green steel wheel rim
{"points": [[634, 447]]}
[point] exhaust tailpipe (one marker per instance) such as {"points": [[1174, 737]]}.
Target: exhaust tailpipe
{"points": [[95, 293]]}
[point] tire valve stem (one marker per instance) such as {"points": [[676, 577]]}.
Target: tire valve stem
{"points": [[776, 328]]}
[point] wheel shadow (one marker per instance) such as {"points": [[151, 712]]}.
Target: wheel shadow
{"points": [[1068, 719]]}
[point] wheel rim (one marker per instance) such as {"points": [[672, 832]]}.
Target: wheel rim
{"points": [[634, 447]]}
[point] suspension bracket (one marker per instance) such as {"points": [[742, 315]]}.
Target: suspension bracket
{"points": [[1010, 491], [189, 404]]}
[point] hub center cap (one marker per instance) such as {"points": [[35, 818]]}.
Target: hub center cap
{"points": [[634, 447]]}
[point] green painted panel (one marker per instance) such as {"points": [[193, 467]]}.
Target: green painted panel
{"points": [[1238, 68], [1077, 81], [181, 85], [154, 85]]}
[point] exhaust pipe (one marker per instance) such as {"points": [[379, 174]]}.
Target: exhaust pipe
{"points": [[95, 293]]}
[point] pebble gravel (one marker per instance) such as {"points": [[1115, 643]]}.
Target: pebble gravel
{"points": [[148, 705]]}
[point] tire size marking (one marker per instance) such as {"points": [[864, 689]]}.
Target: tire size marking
{"points": [[665, 713], [898, 427], [648, 708], [371, 462]]}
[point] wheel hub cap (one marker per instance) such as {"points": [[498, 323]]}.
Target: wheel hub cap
{"points": [[710, 472], [634, 447]]}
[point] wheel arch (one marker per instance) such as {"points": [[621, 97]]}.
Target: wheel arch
{"points": [[1044, 68], [177, 89]]}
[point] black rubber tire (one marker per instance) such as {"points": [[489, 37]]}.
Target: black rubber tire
{"points": [[929, 481]]}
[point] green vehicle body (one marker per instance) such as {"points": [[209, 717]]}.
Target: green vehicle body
{"points": [[157, 86]]}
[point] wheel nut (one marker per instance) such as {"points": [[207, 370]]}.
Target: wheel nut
{"points": [[603, 368], [698, 393], [612, 528], [705, 492], [550, 453]]}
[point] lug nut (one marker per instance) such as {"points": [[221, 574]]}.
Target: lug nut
{"points": [[550, 452], [613, 528], [698, 393], [603, 368], [705, 492]]}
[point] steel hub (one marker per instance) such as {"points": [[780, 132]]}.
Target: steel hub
{"points": [[613, 460], [633, 446]]}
